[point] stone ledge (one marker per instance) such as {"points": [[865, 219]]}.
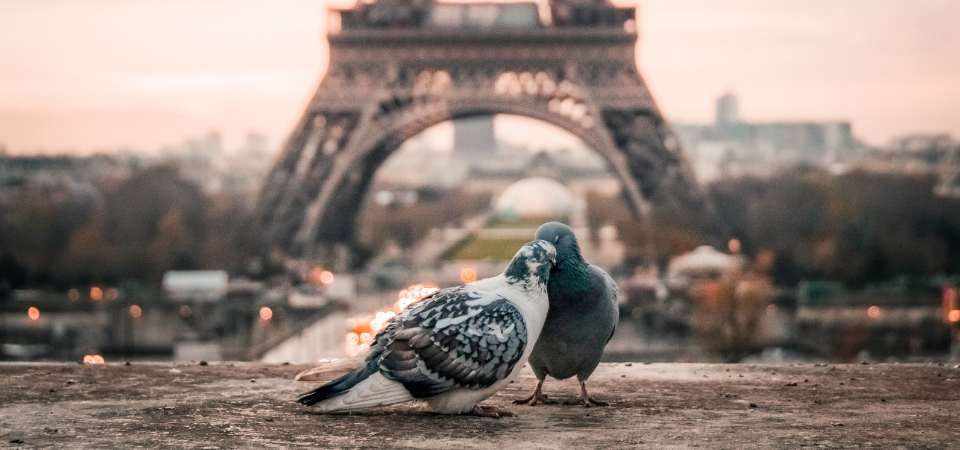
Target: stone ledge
{"points": [[231, 405]]}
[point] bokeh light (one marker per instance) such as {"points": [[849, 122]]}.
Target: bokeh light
{"points": [[266, 313], [954, 316], [73, 295], [96, 294], [33, 313], [734, 245], [326, 277], [468, 275], [380, 320], [363, 330], [413, 294], [873, 312], [319, 276], [135, 312], [93, 359], [185, 311]]}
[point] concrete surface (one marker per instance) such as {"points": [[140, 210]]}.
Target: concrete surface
{"points": [[248, 405]]}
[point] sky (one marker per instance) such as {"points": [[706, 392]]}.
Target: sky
{"points": [[81, 76]]}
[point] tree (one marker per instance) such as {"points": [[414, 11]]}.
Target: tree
{"points": [[857, 228]]}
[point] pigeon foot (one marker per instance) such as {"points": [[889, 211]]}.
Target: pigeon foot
{"points": [[587, 403], [585, 398], [490, 411], [537, 396], [533, 399]]}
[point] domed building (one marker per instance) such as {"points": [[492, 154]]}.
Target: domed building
{"points": [[536, 197]]}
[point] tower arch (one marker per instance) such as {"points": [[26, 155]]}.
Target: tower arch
{"points": [[387, 84]]}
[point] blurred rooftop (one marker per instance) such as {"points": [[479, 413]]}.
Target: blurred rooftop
{"points": [[483, 14], [234, 405], [410, 21]]}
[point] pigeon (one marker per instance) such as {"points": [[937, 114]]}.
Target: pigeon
{"points": [[582, 317], [452, 349]]}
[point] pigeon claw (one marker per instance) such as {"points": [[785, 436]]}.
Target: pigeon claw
{"points": [[585, 398], [588, 403], [490, 411], [534, 399], [537, 396]]}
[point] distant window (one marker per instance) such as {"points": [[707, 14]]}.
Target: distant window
{"points": [[388, 14], [482, 16], [519, 15], [446, 16], [511, 15]]}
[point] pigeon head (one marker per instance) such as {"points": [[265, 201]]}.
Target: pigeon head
{"points": [[532, 263], [571, 272], [562, 237]]}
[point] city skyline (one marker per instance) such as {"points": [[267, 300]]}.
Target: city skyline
{"points": [[105, 75]]}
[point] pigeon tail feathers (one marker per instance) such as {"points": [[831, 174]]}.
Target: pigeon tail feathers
{"points": [[375, 390], [337, 387]]}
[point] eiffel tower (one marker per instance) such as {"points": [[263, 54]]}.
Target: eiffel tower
{"points": [[398, 67]]}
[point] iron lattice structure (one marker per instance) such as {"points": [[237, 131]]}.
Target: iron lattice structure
{"points": [[398, 68]]}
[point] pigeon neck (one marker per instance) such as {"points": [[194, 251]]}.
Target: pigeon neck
{"points": [[572, 274], [532, 283], [527, 275]]}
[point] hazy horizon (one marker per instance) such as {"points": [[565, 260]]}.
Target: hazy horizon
{"points": [[104, 75]]}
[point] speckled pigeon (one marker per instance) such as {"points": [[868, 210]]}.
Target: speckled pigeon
{"points": [[583, 315], [454, 348]]}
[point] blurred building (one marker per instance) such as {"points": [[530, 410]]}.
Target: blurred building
{"points": [[936, 155], [199, 316], [918, 153], [195, 285], [931, 146], [732, 147], [727, 109], [217, 170], [18, 171], [474, 137], [537, 197]]}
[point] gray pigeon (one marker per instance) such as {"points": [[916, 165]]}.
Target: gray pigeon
{"points": [[454, 348], [583, 315]]}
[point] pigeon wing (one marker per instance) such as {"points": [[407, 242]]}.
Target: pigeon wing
{"points": [[611, 293], [455, 339]]}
